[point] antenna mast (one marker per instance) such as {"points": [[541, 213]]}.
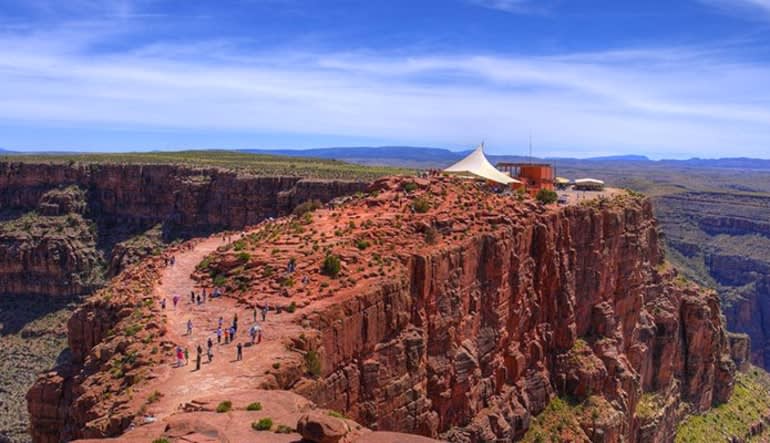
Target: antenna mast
{"points": [[530, 147]]}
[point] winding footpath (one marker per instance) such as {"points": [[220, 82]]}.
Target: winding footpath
{"points": [[224, 376]]}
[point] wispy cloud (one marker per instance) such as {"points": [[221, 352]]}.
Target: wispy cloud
{"points": [[512, 6], [673, 101], [746, 8]]}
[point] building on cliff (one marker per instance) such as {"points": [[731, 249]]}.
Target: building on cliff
{"points": [[533, 176]]}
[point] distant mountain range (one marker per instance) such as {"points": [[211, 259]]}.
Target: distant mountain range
{"points": [[420, 157], [427, 157]]}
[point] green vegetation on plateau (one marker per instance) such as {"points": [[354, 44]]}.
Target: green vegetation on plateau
{"points": [[254, 164], [749, 403]]}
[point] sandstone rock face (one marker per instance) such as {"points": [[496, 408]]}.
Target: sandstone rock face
{"points": [[83, 210], [478, 336], [52, 251], [187, 200], [460, 322]]}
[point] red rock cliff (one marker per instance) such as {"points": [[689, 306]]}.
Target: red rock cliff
{"points": [[461, 316], [479, 334], [188, 200]]}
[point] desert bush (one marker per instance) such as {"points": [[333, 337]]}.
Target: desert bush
{"points": [[306, 207], [256, 406], [225, 406], [243, 256], [546, 196], [291, 308], [313, 363], [331, 265], [362, 244], [431, 236], [410, 186], [420, 205], [262, 425]]}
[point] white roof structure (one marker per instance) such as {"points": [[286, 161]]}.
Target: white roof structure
{"points": [[588, 181], [476, 163]]}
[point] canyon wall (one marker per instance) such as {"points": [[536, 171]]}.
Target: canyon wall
{"points": [[186, 200], [72, 225], [478, 336], [723, 240]]}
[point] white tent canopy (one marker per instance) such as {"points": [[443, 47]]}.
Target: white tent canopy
{"points": [[477, 164], [588, 181]]}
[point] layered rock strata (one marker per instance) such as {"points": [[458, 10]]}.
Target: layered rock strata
{"points": [[440, 308]]}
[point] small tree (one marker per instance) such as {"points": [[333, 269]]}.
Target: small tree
{"points": [[546, 196]]}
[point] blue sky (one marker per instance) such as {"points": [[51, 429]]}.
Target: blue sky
{"points": [[673, 79]]}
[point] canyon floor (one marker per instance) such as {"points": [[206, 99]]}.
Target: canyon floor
{"points": [[33, 336]]}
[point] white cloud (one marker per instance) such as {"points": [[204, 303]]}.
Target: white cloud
{"points": [[747, 8], [512, 6], [668, 101]]}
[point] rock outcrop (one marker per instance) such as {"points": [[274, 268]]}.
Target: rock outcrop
{"points": [[50, 251], [439, 308], [481, 332]]}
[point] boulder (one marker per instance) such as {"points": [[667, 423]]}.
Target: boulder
{"points": [[319, 428]]}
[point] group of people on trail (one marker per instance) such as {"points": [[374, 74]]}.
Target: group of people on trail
{"points": [[169, 260], [226, 332]]}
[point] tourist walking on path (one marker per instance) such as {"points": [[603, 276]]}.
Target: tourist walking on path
{"points": [[227, 336], [186, 356], [175, 299], [209, 343], [221, 321], [258, 331], [163, 303], [253, 333], [219, 335], [239, 355], [232, 333], [198, 359], [179, 357], [189, 327], [210, 354], [265, 309], [192, 296]]}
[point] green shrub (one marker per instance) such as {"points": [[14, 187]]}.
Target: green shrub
{"points": [[204, 264], [132, 330], [546, 196], [263, 425], [161, 440], [306, 207], [362, 244], [313, 363], [431, 236], [420, 205], [331, 266], [283, 429], [256, 406], [225, 406], [243, 256], [410, 186], [220, 280], [336, 414], [276, 365], [155, 396], [239, 245], [291, 308]]}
